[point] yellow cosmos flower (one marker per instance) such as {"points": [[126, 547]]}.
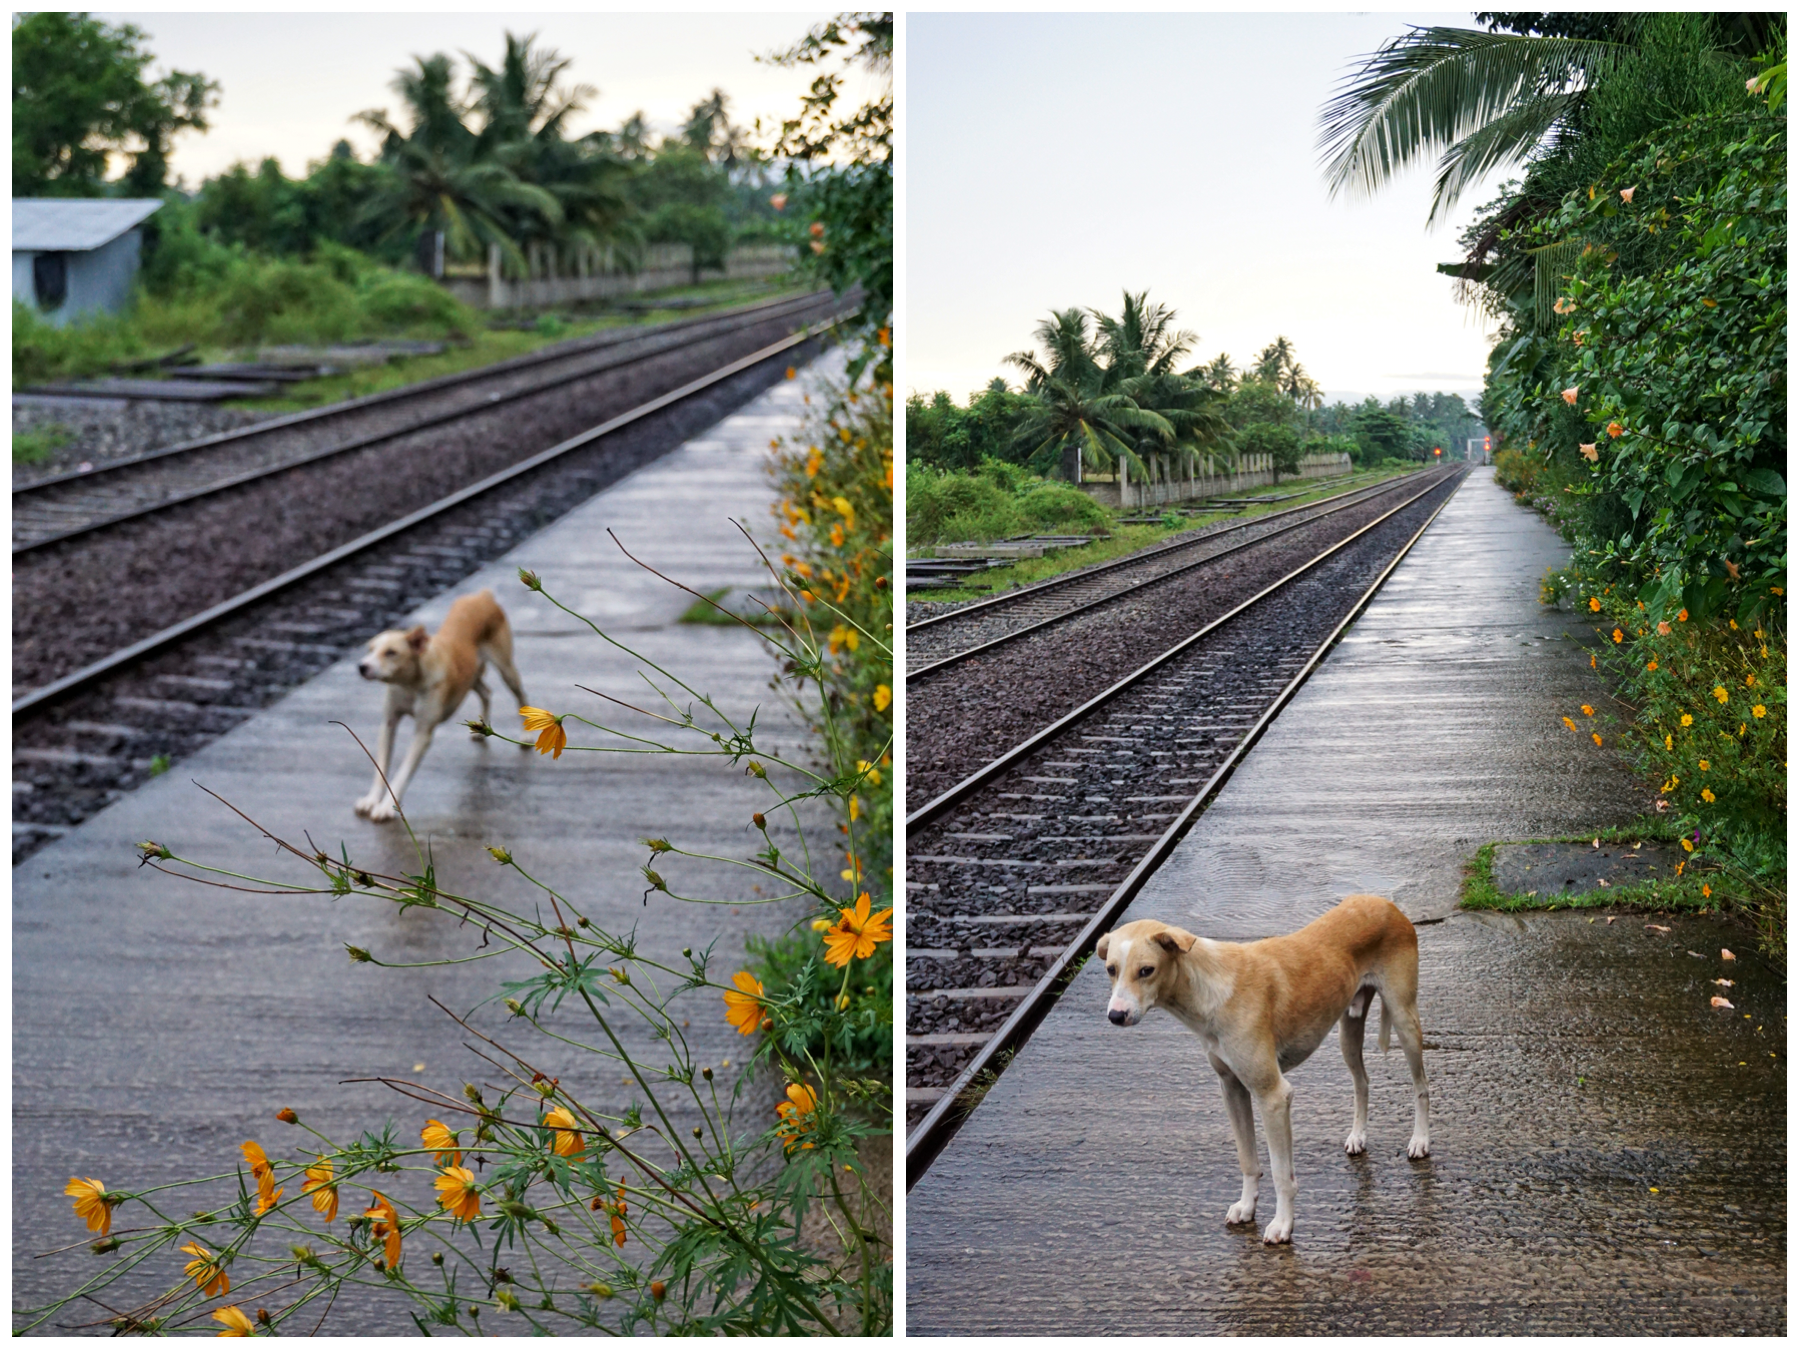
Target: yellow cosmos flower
{"points": [[1687, 719], [1707, 795], [1587, 709], [1706, 891], [801, 1103], [1669, 741], [616, 1210], [1705, 764], [319, 1186], [568, 1138], [551, 736], [263, 1171], [883, 697], [1594, 603], [744, 1010], [1759, 711], [1688, 844], [439, 1136], [857, 933], [1652, 665], [457, 1193], [235, 1321], [91, 1204], [387, 1227], [1596, 738], [206, 1271], [1720, 694], [1569, 722]]}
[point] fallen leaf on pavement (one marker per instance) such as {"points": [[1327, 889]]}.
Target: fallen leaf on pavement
{"points": [[1612, 918], [1725, 954], [1658, 927], [1605, 882], [1596, 843], [1718, 1002], [1726, 983], [1696, 955]]}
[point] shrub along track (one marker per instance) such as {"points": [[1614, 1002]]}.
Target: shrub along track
{"points": [[290, 593], [964, 711], [1014, 872]]}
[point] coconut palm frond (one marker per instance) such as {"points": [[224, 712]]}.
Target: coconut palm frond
{"points": [[1430, 88], [1517, 132]]}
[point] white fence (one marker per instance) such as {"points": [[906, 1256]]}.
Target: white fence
{"points": [[1252, 471], [601, 275]]}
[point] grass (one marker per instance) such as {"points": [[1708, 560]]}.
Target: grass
{"points": [[1684, 893], [494, 345], [33, 447], [1130, 538]]}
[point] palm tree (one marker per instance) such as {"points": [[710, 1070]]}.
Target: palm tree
{"points": [[1076, 414], [1273, 361], [1219, 373]]}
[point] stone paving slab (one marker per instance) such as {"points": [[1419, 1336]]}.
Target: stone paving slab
{"points": [[1574, 1064], [158, 1023]]}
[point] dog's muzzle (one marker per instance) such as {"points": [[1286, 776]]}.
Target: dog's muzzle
{"points": [[1118, 1017]]}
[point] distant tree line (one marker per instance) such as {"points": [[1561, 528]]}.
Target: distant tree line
{"points": [[1101, 392], [484, 161]]}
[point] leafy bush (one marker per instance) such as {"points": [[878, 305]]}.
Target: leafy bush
{"points": [[997, 501]]}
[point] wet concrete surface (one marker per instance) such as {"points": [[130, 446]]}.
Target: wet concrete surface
{"points": [[158, 1023], [1577, 869], [1608, 1149]]}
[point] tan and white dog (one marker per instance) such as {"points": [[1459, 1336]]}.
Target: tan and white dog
{"points": [[1261, 1008], [428, 678]]}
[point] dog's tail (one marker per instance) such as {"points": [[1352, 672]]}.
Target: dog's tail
{"points": [[1384, 1024]]}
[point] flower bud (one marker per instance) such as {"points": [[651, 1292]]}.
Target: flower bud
{"points": [[514, 1007], [551, 1228], [706, 1073], [756, 819], [356, 953], [286, 1116], [756, 770], [658, 845], [658, 1290], [499, 855], [546, 1089], [472, 1092], [507, 1299], [151, 849], [601, 1291], [262, 1315], [105, 1245], [437, 1258], [656, 882], [530, 580]]}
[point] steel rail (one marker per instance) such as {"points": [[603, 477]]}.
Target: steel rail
{"points": [[943, 1120], [1006, 598], [159, 640], [950, 796], [493, 400], [1160, 577]]}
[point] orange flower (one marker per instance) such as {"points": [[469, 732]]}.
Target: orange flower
{"points": [[1569, 722], [91, 1204], [457, 1193], [439, 1136], [286, 1116], [235, 1321], [1682, 616], [857, 933], [1591, 453], [206, 1271], [1706, 794], [319, 1186], [264, 1172], [617, 1209], [1614, 430], [568, 1138], [1572, 393], [1594, 603], [1625, 194], [551, 736], [801, 1103], [744, 1010], [1618, 636], [387, 1227], [1663, 628], [1652, 665], [1596, 738], [1587, 709]]}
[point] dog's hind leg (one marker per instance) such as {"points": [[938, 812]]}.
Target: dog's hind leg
{"points": [[1412, 1040], [499, 651], [1350, 1039], [1243, 1126], [483, 693]]}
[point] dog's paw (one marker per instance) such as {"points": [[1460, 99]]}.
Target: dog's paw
{"points": [[381, 811], [364, 805], [1356, 1143], [1241, 1213], [1282, 1230], [1419, 1146]]}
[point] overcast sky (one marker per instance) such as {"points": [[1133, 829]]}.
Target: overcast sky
{"points": [[290, 83], [1058, 159]]}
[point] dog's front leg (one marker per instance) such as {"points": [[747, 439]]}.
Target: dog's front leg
{"points": [[1275, 1102], [1243, 1127], [1350, 1038], [384, 752], [389, 807]]}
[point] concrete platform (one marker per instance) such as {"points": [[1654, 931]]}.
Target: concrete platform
{"points": [[1608, 1151], [158, 1023]]}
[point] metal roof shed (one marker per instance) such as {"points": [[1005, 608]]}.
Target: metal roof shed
{"points": [[74, 256]]}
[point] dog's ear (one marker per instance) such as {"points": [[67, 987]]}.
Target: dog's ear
{"points": [[1100, 946], [1176, 940], [417, 638]]}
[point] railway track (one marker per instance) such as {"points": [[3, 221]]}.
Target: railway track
{"points": [[943, 639], [68, 505], [78, 598], [1014, 871], [82, 740]]}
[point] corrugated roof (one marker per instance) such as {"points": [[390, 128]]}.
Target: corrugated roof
{"points": [[75, 224]]}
